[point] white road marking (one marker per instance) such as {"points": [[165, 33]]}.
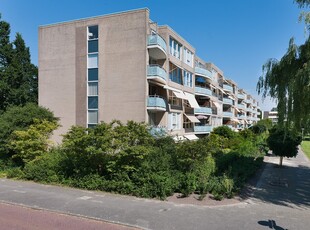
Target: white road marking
{"points": [[19, 191], [84, 197]]}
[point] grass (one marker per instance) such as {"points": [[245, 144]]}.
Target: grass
{"points": [[305, 146]]}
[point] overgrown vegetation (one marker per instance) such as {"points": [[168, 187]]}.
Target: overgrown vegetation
{"points": [[127, 159], [305, 146]]}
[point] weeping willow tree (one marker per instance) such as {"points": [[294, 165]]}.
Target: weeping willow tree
{"points": [[288, 81]]}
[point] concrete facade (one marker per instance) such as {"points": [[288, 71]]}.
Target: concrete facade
{"points": [[146, 73]]}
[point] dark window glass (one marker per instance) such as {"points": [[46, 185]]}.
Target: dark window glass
{"points": [[92, 46], [91, 126], [93, 74], [93, 102], [93, 32]]}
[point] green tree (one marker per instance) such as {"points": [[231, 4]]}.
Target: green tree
{"points": [[283, 142], [20, 118], [288, 81], [18, 76], [29, 144]]}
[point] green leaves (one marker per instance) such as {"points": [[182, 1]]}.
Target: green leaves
{"points": [[29, 144], [18, 76]]}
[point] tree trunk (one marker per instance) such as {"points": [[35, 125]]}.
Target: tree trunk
{"points": [[281, 160]]}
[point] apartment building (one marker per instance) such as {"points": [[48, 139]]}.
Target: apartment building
{"points": [[124, 66]]}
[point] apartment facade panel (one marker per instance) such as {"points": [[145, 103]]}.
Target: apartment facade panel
{"points": [[124, 66]]}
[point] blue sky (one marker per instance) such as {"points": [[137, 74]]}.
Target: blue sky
{"points": [[237, 35]]}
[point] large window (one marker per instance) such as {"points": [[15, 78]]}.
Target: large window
{"points": [[175, 48], [175, 74], [188, 79], [188, 57], [92, 76], [174, 122]]}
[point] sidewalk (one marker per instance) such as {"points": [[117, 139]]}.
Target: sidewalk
{"points": [[288, 185]]}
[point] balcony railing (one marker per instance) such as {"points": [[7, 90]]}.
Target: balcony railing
{"points": [[203, 91], [248, 101], [203, 129], [156, 71], [241, 116], [227, 101], [203, 110], [241, 96], [228, 87], [156, 103], [241, 106], [202, 71], [157, 40], [227, 114]]}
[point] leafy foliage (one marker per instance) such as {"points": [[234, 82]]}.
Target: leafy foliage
{"points": [[33, 142], [18, 76], [283, 142], [17, 118]]}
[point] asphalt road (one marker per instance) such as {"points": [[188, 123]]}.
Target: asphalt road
{"points": [[281, 200]]}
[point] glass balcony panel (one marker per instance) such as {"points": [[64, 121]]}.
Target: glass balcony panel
{"points": [[202, 71], [157, 40], [156, 102], [155, 70], [203, 110], [203, 91]]}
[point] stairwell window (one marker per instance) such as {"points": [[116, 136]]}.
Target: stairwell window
{"points": [[92, 76]]}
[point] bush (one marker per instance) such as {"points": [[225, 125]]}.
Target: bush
{"points": [[15, 173], [224, 131], [46, 168]]}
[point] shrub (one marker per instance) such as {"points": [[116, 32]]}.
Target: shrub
{"points": [[46, 168], [15, 172], [224, 131]]}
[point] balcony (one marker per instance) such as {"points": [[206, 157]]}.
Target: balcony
{"points": [[203, 72], [227, 114], [156, 103], [156, 73], [228, 88], [204, 91], [241, 116], [248, 101], [157, 47], [241, 106], [241, 96], [227, 101], [203, 110], [229, 126], [203, 129]]}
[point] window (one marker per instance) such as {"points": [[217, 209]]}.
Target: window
{"points": [[188, 57], [92, 32], [187, 123], [92, 61], [93, 89], [174, 122], [176, 103], [175, 74], [92, 116], [93, 102], [188, 79], [93, 74], [93, 46], [175, 48]]}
